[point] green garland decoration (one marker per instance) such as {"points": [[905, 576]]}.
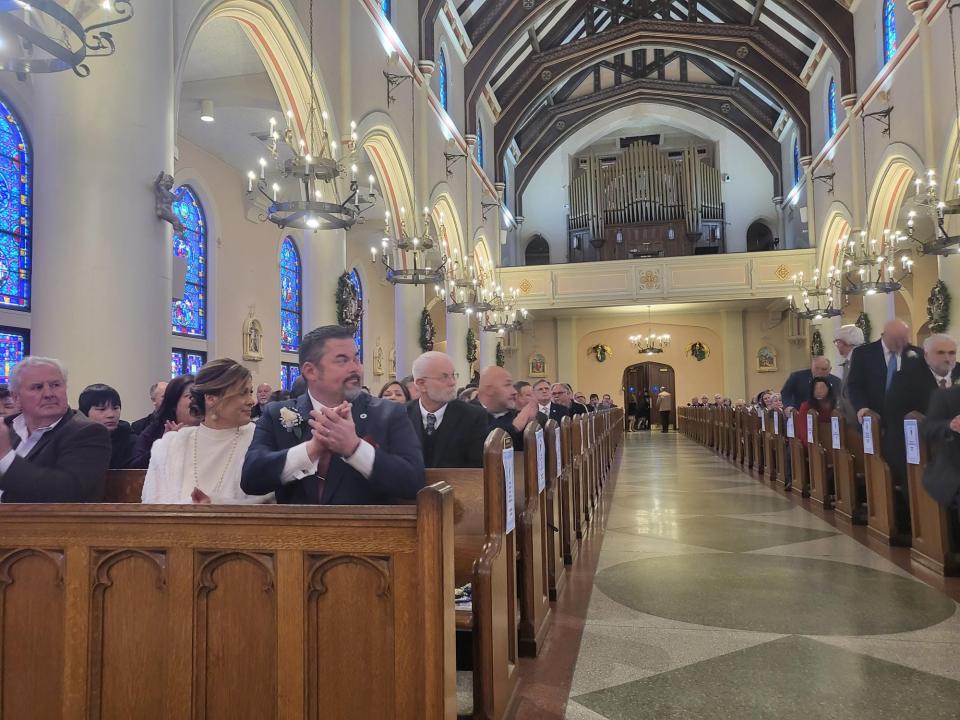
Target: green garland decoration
{"points": [[938, 308], [349, 310], [471, 347], [816, 344], [863, 322], [501, 355], [698, 351], [427, 331]]}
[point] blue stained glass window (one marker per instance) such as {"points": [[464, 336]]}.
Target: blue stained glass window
{"points": [[479, 143], [442, 78], [289, 372], [186, 362], [16, 220], [832, 108], [188, 315], [14, 345], [385, 8], [291, 297], [358, 336], [889, 30], [796, 161]]}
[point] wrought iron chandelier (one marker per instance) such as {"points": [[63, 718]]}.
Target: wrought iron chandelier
{"points": [[464, 293], [820, 297], [411, 260], [307, 166], [50, 38], [930, 207], [505, 314], [651, 344], [870, 267]]}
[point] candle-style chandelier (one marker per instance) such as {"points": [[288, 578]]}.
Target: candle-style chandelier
{"points": [[652, 343], [301, 183], [931, 208], [464, 293], [871, 267], [48, 37], [820, 297], [505, 314], [411, 260]]}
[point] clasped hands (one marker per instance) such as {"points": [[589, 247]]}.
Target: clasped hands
{"points": [[527, 413], [332, 431]]}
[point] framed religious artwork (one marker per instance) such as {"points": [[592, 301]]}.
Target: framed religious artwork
{"points": [[766, 359], [538, 366]]}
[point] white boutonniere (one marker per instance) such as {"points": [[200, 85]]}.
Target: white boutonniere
{"points": [[291, 420], [911, 353]]}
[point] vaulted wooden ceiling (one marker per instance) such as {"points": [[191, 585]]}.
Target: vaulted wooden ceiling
{"points": [[555, 65]]}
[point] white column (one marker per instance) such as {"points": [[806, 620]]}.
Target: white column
{"points": [[734, 368], [828, 331], [948, 268], [919, 9], [857, 178], [457, 326], [806, 163], [781, 226], [879, 308], [488, 349], [101, 257], [408, 307], [324, 261]]}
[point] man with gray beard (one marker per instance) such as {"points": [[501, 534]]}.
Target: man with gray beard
{"points": [[451, 432]]}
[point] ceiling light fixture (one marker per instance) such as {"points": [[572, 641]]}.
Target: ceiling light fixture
{"points": [[206, 111]]}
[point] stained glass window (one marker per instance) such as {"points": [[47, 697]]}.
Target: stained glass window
{"points": [[186, 362], [385, 8], [358, 337], [889, 30], [289, 372], [479, 143], [291, 296], [832, 108], [442, 78], [188, 314], [14, 345], [796, 161], [16, 221]]}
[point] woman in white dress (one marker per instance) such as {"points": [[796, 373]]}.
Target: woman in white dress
{"points": [[201, 464]]}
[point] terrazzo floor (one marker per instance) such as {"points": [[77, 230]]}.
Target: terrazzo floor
{"points": [[715, 597]]}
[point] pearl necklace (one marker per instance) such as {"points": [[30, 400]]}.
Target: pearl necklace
{"points": [[223, 475]]}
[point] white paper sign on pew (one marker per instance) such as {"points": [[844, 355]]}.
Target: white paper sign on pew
{"points": [[791, 431], [509, 490], [541, 462], [776, 423], [809, 427], [868, 435], [557, 449], [763, 421], [911, 437], [835, 431]]}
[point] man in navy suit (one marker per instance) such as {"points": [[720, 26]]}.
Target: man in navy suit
{"points": [[797, 387], [874, 365], [334, 445]]}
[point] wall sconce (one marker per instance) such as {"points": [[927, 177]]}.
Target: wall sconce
{"points": [[714, 234], [619, 237], [576, 242], [206, 111], [671, 235]]}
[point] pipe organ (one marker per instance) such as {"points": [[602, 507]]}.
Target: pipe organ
{"points": [[645, 204]]}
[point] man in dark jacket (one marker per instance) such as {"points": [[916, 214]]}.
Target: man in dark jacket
{"points": [[942, 429], [156, 397], [874, 365], [50, 453], [797, 387], [498, 397]]}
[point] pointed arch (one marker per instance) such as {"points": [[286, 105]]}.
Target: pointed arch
{"points": [[445, 216], [379, 140], [836, 230], [899, 167]]}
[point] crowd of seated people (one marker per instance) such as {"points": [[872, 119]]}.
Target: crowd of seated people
{"points": [[215, 438]]}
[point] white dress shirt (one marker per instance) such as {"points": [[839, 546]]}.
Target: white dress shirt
{"points": [[438, 414], [28, 441], [299, 465], [938, 378], [545, 409]]}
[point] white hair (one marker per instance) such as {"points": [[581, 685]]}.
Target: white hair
{"points": [[421, 363], [850, 334], [936, 338], [32, 361]]}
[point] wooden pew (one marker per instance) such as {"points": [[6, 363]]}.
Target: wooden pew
{"points": [[581, 469], [569, 505], [849, 473], [769, 446], [124, 486], [780, 446], [531, 512], [819, 461], [931, 544], [556, 571], [173, 612], [799, 475], [880, 515]]}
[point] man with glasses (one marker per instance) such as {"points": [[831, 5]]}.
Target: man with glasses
{"points": [[847, 338], [451, 431]]}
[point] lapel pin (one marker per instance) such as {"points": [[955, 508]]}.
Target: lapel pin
{"points": [[363, 416]]}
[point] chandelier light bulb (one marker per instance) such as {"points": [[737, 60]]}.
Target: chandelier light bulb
{"points": [[251, 176], [313, 223]]}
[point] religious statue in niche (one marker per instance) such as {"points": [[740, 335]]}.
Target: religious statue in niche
{"points": [[538, 366], [252, 337], [766, 359], [393, 361], [378, 360], [165, 198]]}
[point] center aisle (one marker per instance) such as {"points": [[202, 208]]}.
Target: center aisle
{"points": [[715, 597]]}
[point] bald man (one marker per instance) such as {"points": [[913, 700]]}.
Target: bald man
{"points": [[498, 397], [797, 387], [873, 367]]}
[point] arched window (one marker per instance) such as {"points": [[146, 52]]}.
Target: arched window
{"points": [[832, 108], [538, 251], [480, 143], [291, 297], [188, 315], [442, 79], [14, 345], [385, 8], [358, 336], [16, 222], [796, 160], [889, 30]]}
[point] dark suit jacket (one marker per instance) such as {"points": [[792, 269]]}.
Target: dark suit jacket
{"points": [[910, 391], [577, 409], [557, 412], [867, 381], [397, 469], [942, 476], [505, 423], [138, 426], [68, 464], [797, 388], [458, 442]]}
